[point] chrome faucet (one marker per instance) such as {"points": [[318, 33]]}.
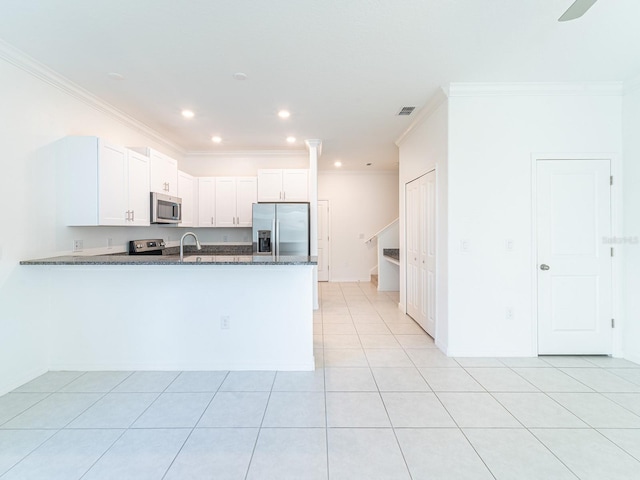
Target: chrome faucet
{"points": [[198, 246]]}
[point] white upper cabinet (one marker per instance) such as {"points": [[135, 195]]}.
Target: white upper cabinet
{"points": [[295, 185], [225, 202], [206, 201], [270, 185], [186, 191], [164, 174], [163, 171], [112, 184], [103, 183], [283, 185], [138, 188], [234, 199], [246, 196]]}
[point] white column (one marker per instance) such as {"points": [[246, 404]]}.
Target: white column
{"points": [[315, 150]]}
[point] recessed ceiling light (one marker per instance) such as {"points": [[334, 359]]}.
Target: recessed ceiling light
{"points": [[338, 163], [115, 76], [291, 139], [284, 114], [216, 139], [369, 164], [188, 113], [240, 76]]}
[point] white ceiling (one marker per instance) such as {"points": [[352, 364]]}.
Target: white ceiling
{"points": [[342, 67]]}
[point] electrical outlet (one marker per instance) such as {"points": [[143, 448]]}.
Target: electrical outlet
{"points": [[225, 238], [509, 313], [464, 245], [109, 242], [508, 245], [225, 322], [77, 245]]}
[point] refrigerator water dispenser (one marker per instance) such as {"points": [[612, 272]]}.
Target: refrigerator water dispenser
{"points": [[264, 241]]}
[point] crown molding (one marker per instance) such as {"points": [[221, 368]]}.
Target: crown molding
{"points": [[247, 153], [534, 89], [24, 62], [434, 102], [314, 143]]}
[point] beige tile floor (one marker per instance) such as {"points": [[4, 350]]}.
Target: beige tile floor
{"points": [[383, 403]]}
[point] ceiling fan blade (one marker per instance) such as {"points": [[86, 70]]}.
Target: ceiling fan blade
{"points": [[576, 10]]}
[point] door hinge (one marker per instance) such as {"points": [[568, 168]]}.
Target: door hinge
{"points": [[612, 251], [613, 323], [611, 180]]}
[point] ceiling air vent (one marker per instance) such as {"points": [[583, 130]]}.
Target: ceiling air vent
{"points": [[406, 111]]}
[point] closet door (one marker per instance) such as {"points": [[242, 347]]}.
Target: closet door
{"points": [[421, 251], [412, 236]]}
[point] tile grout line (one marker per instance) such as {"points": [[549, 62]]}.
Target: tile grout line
{"points": [[326, 409], [529, 429], [264, 414], [195, 424], [463, 433], [126, 429]]}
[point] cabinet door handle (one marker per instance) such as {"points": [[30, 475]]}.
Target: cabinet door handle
{"points": [[133, 215], [234, 220], [211, 220], [284, 195], [280, 196]]}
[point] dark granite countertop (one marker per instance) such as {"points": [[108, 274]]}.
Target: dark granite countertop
{"points": [[392, 253], [189, 259]]}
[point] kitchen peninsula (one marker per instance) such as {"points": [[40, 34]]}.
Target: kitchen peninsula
{"points": [[208, 312]]}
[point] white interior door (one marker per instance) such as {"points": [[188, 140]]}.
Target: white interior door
{"points": [[420, 237], [574, 264], [412, 236], [323, 240]]}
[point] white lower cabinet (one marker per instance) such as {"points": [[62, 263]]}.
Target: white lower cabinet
{"points": [[234, 198], [186, 191], [103, 183]]}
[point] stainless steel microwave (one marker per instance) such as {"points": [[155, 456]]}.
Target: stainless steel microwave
{"points": [[165, 208]]}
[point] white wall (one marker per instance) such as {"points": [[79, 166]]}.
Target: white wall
{"points": [[34, 115], [631, 251], [360, 203], [422, 149], [241, 163], [492, 135]]}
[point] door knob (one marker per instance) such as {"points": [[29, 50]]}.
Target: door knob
{"points": [[544, 267]]}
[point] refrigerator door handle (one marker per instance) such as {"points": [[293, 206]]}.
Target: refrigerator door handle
{"points": [[278, 238], [274, 240]]}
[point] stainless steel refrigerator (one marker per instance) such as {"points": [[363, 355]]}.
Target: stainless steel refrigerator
{"points": [[281, 229]]}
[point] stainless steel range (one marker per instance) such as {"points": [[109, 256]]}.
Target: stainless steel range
{"points": [[146, 247]]}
